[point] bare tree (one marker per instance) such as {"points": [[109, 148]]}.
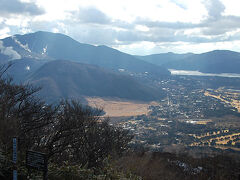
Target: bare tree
{"points": [[67, 131], [81, 136]]}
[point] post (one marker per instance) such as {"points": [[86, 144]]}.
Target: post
{"points": [[14, 158], [45, 175], [45, 171]]}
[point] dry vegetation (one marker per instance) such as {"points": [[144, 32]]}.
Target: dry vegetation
{"points": [[227, 97], [209, 134], [220, 141], [227, 122], [119, 108], [168, 166], [204, 122]]}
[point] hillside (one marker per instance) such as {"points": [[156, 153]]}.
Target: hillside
{"points": [[58, 46], [218, 61], [164, 58], [21, 69], [67, 79]]}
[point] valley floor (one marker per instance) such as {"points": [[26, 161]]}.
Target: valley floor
{"points": [[119, 108]]}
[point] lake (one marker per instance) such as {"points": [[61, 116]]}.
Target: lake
{"points": [[197, 73]]}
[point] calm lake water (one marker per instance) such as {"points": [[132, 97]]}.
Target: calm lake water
{"points": [[197, 73]]}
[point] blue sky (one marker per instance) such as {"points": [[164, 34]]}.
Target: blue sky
{"points": [[132, 26]]}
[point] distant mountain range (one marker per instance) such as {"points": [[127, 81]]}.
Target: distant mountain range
{"points": [[218, 61], [46, 45], [84, 70], [164, 58]]}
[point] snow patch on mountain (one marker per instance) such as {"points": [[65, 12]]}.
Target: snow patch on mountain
{"points": [[28, 68], [44, 50], [20, 44]]}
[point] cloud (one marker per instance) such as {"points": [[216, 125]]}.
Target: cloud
{"points": [[91, 15], [10, 7], [4, 32], [215, 8], [216, 22], [213, 27], [123, 33], [179, 4], [221, 26], [162, 24], [9, 51], [93, 34], [126, 23]]}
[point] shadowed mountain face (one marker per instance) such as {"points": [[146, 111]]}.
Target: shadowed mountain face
{"points": [[58, 46], [68, 79], [21, 69], [164, 58], [35, 60], [212, 62], [218, 61]]}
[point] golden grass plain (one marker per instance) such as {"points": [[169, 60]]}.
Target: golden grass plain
{"points": [[118, 107]]}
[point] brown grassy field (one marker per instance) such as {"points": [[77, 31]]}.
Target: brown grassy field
{"points": [[220, 141], [118, 107], [204, 122], [234, 103]]}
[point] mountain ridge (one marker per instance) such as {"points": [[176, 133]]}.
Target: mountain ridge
{"points": [[58, 46], [75, 80], [216, 61]]}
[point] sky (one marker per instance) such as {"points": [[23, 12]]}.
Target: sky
{"points": [[138, 27]]}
